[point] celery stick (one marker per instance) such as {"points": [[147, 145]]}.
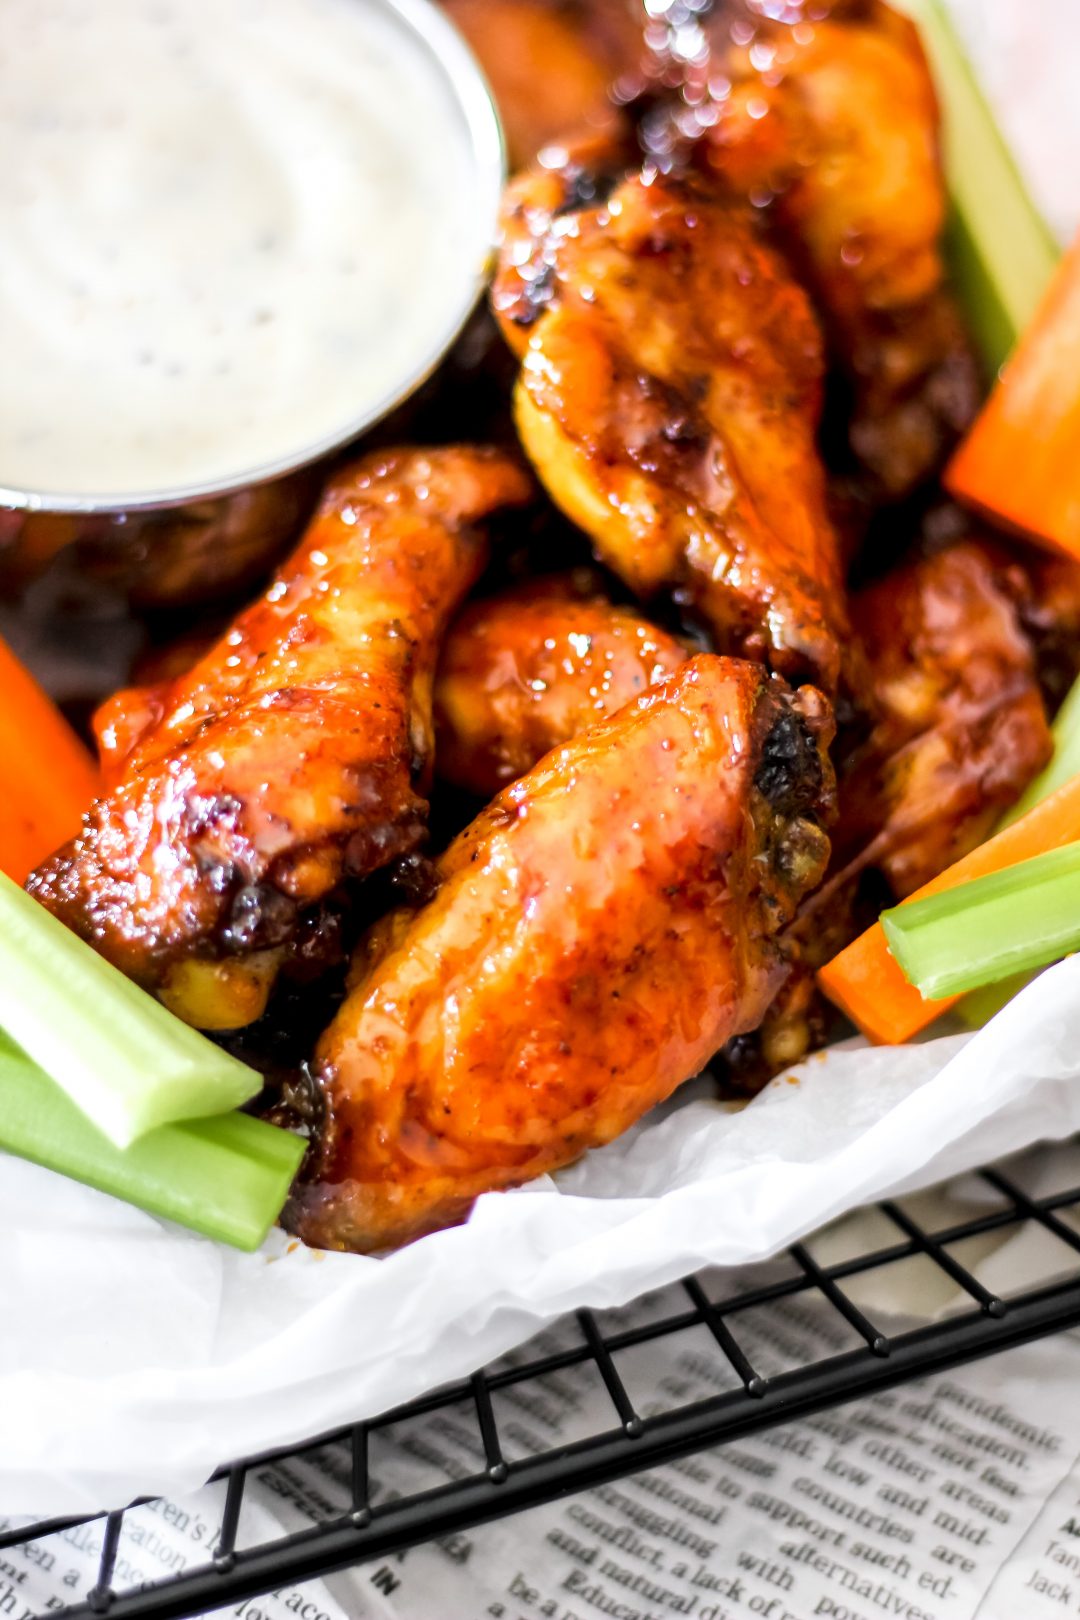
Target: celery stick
{"points": [[1003, 253], [981, 932], [120, 1056], [977, 1009], [226, 1177], [1064, 762]]}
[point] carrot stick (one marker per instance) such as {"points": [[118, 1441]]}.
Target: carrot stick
{"points": [[1020, 463], [865, 980], [47, 777]]}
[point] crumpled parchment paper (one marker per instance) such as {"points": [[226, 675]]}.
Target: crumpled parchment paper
{"points": [[136, 1357]]}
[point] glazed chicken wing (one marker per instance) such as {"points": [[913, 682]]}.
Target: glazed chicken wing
{"points": [[1050, 609], [549, 62], [825, 109], [525, 671], [669, 398], [297, 751], [957, 731], [600, 930], [961, 725]]}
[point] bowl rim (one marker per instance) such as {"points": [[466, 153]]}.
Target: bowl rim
{"points": [[434, 33]]}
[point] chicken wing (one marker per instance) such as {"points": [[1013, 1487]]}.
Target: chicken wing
{"points": [[527, 670], [1050, 610], [669, 397], [826, 112], [599, 932], [953, 730], [961, 726], [549, 62], [295, 754]]}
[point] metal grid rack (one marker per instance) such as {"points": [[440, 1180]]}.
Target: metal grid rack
{"points": [[363, 1527]]}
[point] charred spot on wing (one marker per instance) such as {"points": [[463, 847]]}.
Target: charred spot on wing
{"points": [[536, 295], [259, 917], [790, 773], [586, 188], [291, 1099], [415, 879]]}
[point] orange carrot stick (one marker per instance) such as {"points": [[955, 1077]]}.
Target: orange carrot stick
{"points": [[47, 777], [1020, 463], [865, 980]]}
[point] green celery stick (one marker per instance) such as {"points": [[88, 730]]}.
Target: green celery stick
{"points": [[120, 1056], [977, 1009], [226, 1177], [1002, 251], [981, 932], [1064, 762]]}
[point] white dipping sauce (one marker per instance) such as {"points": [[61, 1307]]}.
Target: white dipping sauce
{"points": [[228, 230]]}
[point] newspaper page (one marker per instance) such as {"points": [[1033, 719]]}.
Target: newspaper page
{"points": [[952, 1498]]}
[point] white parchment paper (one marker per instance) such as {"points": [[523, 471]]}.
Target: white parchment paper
{"points": [[135, 1357]]}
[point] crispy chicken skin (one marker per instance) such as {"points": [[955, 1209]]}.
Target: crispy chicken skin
{"points": [[600, 930], [549, 62], [825, 110], [525, 671], [961, 725], [669, 397], [296, 753]]}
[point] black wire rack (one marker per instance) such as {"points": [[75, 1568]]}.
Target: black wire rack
{"points": [[369, 1523]]}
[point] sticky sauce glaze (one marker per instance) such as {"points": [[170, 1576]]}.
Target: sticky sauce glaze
{"points": [[229, 228]]}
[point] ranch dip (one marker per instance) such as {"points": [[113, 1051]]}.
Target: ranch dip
{"points": [[231, 230]]}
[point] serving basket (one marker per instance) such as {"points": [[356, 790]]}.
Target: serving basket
{"points": [[372, 1516]]}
